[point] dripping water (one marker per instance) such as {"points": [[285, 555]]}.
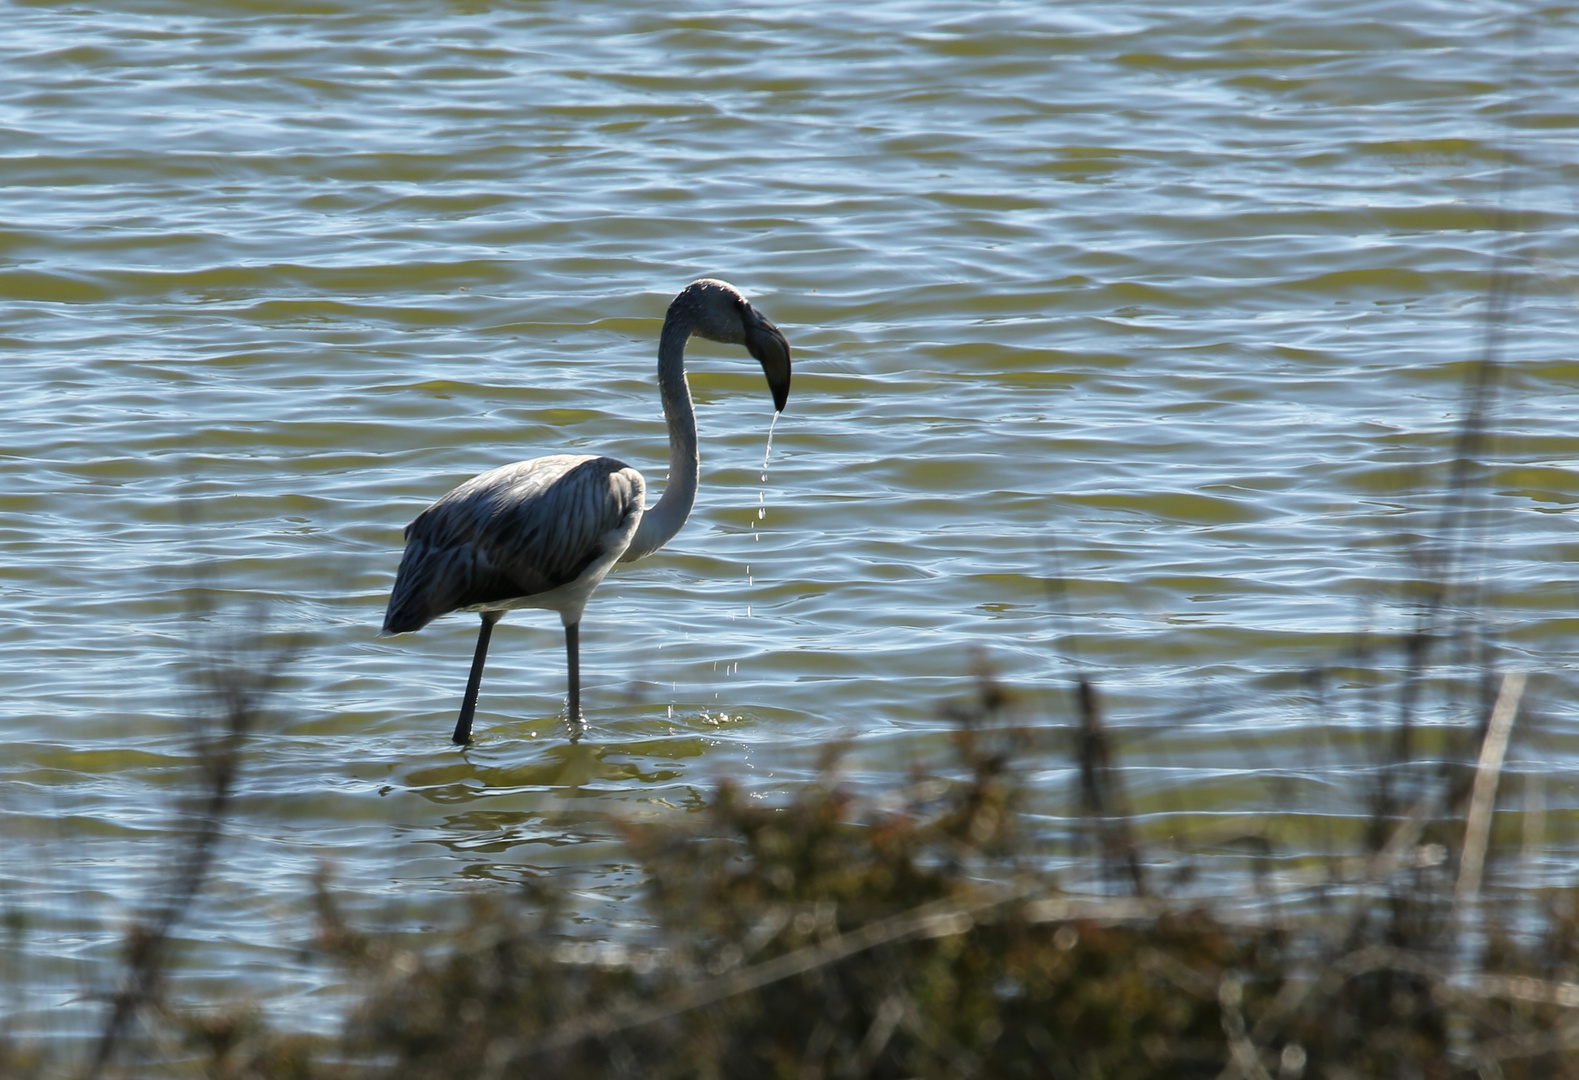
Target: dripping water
{"points": [[769, 448], [762, 511]]}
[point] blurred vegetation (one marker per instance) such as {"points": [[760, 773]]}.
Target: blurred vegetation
{"points": [[918, 935]]}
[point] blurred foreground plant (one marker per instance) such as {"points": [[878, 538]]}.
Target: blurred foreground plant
{"points": [[823, 938], [234, 673], [913, 936]]}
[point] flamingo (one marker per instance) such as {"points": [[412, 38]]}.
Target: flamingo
{"points": [[543, 533]]}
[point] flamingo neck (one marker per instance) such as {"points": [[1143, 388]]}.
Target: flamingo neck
{"points": [[660, 522]]}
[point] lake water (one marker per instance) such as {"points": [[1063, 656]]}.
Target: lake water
{"points": [[1129, 338]]}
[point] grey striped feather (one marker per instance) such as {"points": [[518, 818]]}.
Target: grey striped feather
{"points": [[513, 532]]}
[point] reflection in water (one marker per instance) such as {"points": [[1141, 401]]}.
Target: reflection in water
{"points": [[559, 769]]}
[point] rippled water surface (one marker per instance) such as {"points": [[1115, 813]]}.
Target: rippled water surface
{"points": [[1127, 335]]}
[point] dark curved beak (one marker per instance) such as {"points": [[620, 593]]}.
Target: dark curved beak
{"points": [[767, 344]]}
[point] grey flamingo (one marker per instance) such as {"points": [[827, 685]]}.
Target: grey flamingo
{"points": [[543, 533]]}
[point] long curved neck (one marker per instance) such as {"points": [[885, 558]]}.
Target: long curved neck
{"points": [[661, 522]]}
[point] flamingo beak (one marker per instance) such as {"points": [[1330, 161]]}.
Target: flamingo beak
{"points": [[765, 342]]}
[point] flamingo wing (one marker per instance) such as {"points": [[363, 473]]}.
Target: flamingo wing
{"points": [[513, 532]]}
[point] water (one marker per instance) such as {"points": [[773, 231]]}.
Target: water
{"points": [[1130, 337]]}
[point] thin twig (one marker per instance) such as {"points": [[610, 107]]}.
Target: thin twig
{"points": [[1477, 830]]}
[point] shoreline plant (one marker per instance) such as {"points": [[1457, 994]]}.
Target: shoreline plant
{"points": [[921, 934]]}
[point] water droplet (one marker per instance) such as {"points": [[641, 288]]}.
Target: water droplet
{"points": [[762, 496]]}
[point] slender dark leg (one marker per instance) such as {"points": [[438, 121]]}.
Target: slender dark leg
{"points": [[463, 726], [573, 662]]}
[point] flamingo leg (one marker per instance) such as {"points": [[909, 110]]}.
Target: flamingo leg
{"points": [[573, 663], [463, 726]]}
